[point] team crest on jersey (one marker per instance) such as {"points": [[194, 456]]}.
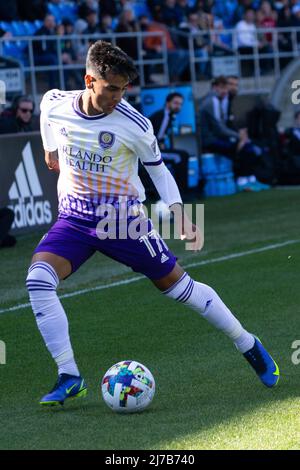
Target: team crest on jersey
{"points": [[106, 139]]}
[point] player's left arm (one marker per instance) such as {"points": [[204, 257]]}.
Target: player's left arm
{"points": [[167, 188]]}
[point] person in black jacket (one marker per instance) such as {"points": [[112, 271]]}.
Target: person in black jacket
{"points": [[6, 221], [19, 117], [163, 126], [45, 51]]}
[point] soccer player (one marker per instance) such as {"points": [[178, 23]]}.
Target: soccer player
{"points": [[94, 138]]}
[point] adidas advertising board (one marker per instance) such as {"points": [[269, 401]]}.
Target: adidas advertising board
{"points": [[26, 184]]}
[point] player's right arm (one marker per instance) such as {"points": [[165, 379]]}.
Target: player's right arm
{"points": [[48, 137]]}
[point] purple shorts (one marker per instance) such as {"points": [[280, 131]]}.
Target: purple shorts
{"points": [[77, 241]]}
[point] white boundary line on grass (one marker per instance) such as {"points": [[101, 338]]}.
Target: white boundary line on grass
{"points": [[187, 266]]}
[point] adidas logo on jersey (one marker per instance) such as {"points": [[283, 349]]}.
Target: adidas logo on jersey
{"points": [[164, 258], [25, 190], [63, 131]]}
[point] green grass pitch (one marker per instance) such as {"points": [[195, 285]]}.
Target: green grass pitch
{"points": [[207, 395]]}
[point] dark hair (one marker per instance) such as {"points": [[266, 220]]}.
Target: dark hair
{"points": [[221, 80], [103, 57], [21, 99], [173, 95]]}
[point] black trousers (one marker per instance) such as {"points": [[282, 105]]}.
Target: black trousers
{"points": [[6, 221], [177, 161]]}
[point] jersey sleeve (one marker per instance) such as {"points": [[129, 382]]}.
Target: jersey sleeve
{"points": [[147, 149], [48, 138]]}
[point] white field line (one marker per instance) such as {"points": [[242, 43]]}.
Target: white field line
{"points": [[139, 278]]}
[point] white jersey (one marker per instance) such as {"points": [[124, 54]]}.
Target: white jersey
{"points": [[98, 155]]}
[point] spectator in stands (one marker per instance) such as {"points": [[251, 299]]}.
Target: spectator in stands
{"points": [[163, 126], [202, 46], [220, 41], [6, 220], [20, 117], [226, 9], [296, 19], [106, 26], [247, 41], [85, 6], [73, 78], [242, 7], [91, 17], [266, 18], [285, 20], [107, 7], [183, 9], [178, 58], [45, 51], [217, 137], [128, 24], [171, 15]]}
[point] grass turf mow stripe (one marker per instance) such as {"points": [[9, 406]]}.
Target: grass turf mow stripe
{"points": [[273, 246]]}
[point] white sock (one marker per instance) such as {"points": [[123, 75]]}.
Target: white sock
{"points": [[206, 301], [51, 319]]}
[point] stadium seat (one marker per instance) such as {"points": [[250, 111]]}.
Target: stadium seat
{"points": [[19, 28], [68, 10], [6, 26], [140, 8], [30, 28], [55, 11]]}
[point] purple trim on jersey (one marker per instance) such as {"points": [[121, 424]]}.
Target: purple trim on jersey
{"points": [[153, 163], [142, 126], [139, 116], [75, 106]]}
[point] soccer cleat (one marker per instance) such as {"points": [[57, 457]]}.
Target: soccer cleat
{"points": [[263, 364], [67, 386]]}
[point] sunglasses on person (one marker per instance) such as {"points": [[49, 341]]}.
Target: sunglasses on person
{"points": [[26, 110]]}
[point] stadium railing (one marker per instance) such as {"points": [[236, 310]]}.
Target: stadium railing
{"points": [[226, 61], [21, 48]]}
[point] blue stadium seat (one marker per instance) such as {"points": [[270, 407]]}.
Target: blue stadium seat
{"points": [[6, 26], [63, 10], [18, 28], [140, 8], [68, 10], [55, 11], [38, 24], [30, 28]]}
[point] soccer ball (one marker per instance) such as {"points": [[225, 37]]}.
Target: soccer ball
{"points": [[127, 387]]}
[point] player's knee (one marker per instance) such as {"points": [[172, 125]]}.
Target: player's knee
{"points": [[41, 282]]}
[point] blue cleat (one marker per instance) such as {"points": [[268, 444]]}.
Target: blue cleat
{"points": [[263, 364], [67, 386]]}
